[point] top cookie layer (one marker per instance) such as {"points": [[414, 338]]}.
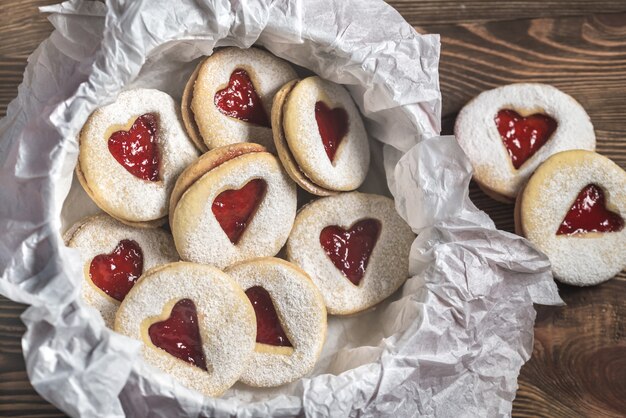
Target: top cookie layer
{"points": [[113, 187], [267, 74], [478, 135]]}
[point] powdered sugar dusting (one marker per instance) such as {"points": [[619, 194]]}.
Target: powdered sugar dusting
{"points": [[351, 162], [580, 260], [100, 235], [199, 236], [268, 74], [301, 310], [478, 135], [225, 318], [388, 264], [116, 190]]}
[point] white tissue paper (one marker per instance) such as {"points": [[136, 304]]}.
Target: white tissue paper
{"points": [[450, 343]]}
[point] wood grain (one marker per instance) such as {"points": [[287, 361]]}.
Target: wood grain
{"points": [[579, 361]]}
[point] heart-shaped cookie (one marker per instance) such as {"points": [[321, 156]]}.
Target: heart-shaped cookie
{"points": [[350, 249], [291, 320], [354, 246], [573, 210], [509, 131], [234, 208], [195, 323], [136, 149], [116, 273], [179, 334]]}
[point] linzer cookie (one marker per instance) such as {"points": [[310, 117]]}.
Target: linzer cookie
{"points": [[114, 256], [354, 246], [131, 153], [507, 132], [573, 209], [320, 137], [229, 97], [195, 323], [232, 204], [291, 320]]}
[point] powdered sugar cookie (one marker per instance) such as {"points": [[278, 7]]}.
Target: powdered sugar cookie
{"points": [[320, 137], [131, 153], [354, 246], [235, 203], [228, 99], [114, 255], [291, 320], [195, 323], [573, 209], [508, 131]]}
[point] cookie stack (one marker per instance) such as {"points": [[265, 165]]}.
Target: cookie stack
{"points": [[224, 171]]}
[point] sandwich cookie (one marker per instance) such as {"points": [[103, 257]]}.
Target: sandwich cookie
{"points": [[195, 324], [291, 320], [114, 256], [508, 131], [229, 97], [232, 204], [320, 137], [354, 246], [573, 209], [130, 154]]}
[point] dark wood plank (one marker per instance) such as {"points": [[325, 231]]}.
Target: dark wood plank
{"points": [[578, 363]]}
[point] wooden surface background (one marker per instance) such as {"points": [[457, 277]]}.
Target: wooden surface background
{"points": [[578, 367]]}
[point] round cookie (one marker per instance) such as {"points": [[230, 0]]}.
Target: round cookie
{"points": [[573, 209], [235, 203], [320, 136], [229, 97], [195, 323], [509, 131], [291, 320], [354, 246], [114, 255], [130, 154]]}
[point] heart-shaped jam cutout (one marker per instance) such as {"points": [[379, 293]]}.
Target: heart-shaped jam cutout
{"points": [[589, 214], [350, 249], [268, 327], [233, 209], [116, 273], [240, 100], [523, 136], [179, 335], [137, 149], [332, 125]]}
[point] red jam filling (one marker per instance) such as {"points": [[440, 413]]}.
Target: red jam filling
{"points": [[233, 209], [240, 100], [523, 136], [179, 335], [350, 250], [589, 214], [137, 149], [268, 328], [116, 273], [332, 125]]}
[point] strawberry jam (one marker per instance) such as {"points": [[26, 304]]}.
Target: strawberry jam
{"points": [[137, 149], [116, 273], [233, 209], [179, 335], [523, 136], [350, 250], [589, 214], [332, 125], [268, 327], [240, 100]]}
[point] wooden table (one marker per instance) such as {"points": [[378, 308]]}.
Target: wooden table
{"points": [[579, 361]]}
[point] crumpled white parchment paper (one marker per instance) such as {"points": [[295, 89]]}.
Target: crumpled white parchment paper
{"points": [[449, 344]]}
